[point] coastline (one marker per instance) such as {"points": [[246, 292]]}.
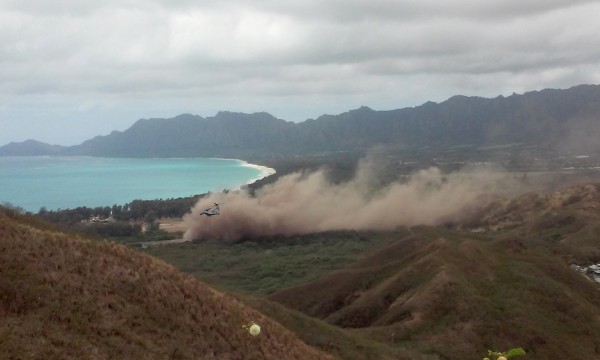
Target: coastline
{"points": [[265, 171], [92, 201]]}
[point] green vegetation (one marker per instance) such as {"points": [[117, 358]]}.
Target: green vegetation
{"points": [[135, 210], [495, 355], [130, 223], [153, 235], [265, 265]]}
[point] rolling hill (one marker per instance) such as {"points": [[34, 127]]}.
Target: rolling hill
{"points": [[498, 283], [496, 280], [64, 297]]}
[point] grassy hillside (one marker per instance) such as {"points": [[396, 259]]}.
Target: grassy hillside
{"points": [[459, 296], [566, 222], [63, 297], [265, 265], [344, 343], [503, 280], [497, 281]]}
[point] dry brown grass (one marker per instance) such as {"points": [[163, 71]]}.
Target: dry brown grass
{"points": [[70, 298]]}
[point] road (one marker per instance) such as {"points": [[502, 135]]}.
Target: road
{"points": [[145, 244]]}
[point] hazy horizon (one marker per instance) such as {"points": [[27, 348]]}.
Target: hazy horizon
{"points": [[75, 70], [215, 114]]}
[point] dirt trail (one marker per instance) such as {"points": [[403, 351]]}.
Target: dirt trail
{"points": [[146, 244]]}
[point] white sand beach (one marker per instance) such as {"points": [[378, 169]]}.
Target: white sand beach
{"points": [[265, 171]]}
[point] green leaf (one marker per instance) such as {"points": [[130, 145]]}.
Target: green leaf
{"points": [[515, 352]]}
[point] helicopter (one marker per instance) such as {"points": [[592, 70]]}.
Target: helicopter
{"points": [[211, 211]]}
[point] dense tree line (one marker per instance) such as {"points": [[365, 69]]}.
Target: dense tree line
{"points": [[137, 210], [119, 220], [115, 229]]}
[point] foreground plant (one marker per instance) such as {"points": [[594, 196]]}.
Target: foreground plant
{"points": [[493, 355], [253, 328]]}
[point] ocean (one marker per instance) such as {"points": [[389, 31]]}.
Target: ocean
{"points": [[68, 182]]}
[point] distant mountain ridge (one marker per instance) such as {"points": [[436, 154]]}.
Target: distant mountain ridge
{"points": [[224, 135], [30, 148], [538, 117]]}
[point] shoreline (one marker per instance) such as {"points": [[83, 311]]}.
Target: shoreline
{"points": [[265, 171], [33, 207]]}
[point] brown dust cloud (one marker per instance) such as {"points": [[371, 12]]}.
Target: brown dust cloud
{"points": [[302, 203]]}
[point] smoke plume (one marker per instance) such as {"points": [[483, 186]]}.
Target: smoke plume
{"points": [[308, 202]]}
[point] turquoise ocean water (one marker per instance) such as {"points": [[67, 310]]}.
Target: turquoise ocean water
{"points": [[69, 182]]}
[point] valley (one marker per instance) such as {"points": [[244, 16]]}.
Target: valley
{"points": [[437, 236], [499, 279]]}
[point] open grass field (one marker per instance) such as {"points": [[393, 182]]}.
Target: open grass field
{"points": [[265, 265]]}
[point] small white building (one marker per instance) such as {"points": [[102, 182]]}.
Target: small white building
{"points": [[592, 271]]}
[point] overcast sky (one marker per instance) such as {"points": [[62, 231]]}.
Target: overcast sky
{"points": [[73, 69]]}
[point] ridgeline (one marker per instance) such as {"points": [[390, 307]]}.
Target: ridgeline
{"points": [[562, 120]]}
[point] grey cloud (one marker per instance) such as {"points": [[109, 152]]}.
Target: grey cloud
{"points": [[392, 10]]}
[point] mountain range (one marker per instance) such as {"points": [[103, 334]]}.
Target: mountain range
{"points": [[566, 120]]}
